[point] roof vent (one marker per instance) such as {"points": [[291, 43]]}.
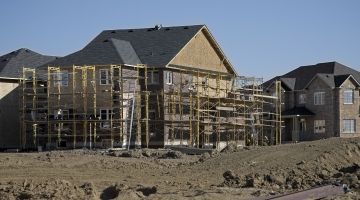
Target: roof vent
{"points": [[149, 30], [158, 26], [130, 31], [167, 29], [113, 31], [106, 40], [6, 59], [186, 27]]}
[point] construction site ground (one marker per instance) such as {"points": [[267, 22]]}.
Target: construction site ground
{"points": [[244, 173]]}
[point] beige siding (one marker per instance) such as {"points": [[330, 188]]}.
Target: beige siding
{"points": [[9, 115], [199, 53]]}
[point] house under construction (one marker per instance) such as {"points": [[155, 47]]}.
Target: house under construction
{"points": [[172, 86]]}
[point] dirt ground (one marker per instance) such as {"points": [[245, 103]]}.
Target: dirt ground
{"points": [[247, 173]]}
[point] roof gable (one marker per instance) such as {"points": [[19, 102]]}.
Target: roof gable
{"points": [[11, 64], [328, 79], [327, 72], [341, 79], [203, 52]]}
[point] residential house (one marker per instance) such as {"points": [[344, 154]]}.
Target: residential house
{"points": [[319, 101], [11, 66], [167, 52]]}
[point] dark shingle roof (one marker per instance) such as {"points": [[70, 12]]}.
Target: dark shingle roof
{"points": [[11, 64], [289, 82], [340, 79], [132, 46], [332, 73]]}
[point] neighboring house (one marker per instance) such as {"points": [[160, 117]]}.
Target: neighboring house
{"points": [[166, 51], [319, 101], [11, 66]]}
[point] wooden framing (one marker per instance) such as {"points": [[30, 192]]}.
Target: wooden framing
{"points": [[201, 108]]}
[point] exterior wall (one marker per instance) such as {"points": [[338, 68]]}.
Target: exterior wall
{"points": [[328, 112], [322, 112], [349, 111], [199, 53], [156, 106], [183, 82], [82, 110], [290, 99], [9, 115]]}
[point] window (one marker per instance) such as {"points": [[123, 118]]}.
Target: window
{"points": [[348, 96], [302, 98], [153, 77], [186, 109], [319, 126], [105, 114], [61, 78], [105, 77], [349, 126], [169, 78], [319, 98]]}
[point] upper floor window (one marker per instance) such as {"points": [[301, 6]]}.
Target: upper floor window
{"points": [[105, 114], [348, 96], [319, 126], [61, 78], [153, 77], [105, 77], [302, 98], [349, 126], [169, 77], [319, 98]]}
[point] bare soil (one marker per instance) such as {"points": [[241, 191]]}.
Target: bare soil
{"points": [[247, 173]]}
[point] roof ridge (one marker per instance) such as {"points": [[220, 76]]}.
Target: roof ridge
{"points": [[144, 28]]}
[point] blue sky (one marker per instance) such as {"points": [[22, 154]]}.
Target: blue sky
{"points": [[261, 38]]}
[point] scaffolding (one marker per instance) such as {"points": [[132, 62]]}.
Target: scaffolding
{"points": [[106, 106], [220, 108]]}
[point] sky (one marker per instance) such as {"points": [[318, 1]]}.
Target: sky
{"points": [[261, 38]]}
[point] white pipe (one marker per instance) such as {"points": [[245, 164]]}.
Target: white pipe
{"points": [[132, 115]]}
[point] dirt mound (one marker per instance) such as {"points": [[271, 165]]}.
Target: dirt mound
{"points": [[121, 191], [47, 189], [172, 155], [327, 166], [147, 153], [231, 147], [231, 179], [236, 174]]}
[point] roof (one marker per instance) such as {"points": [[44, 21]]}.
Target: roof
{"points": [[155, 47], [332, 73], [289, 82], [297, 111], [11, 64], [152, 47]]}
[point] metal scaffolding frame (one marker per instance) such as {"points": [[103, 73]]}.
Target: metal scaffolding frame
{"points": [[222, 108], [197, 108]]}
